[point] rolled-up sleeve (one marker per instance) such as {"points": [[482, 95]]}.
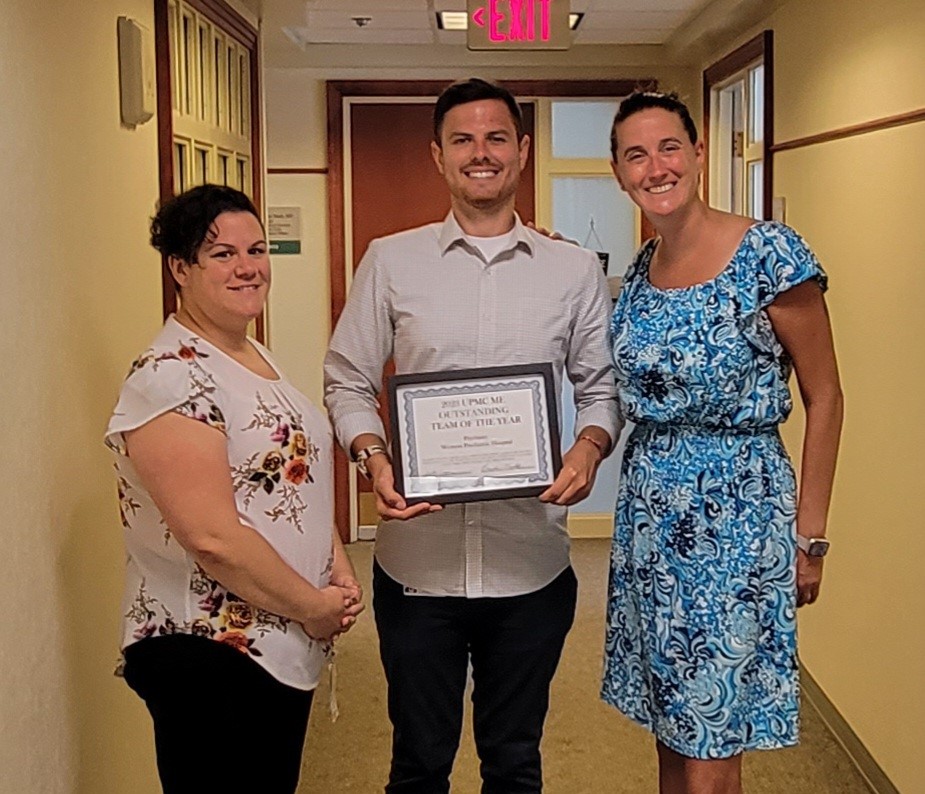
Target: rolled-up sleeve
{"points": [[360, 346], [589, 362]]}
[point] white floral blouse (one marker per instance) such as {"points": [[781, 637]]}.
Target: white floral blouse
{"points": [[280, 454]]}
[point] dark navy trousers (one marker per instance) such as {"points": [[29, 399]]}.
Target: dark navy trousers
{"points": [[427, 643], [221, 722]]}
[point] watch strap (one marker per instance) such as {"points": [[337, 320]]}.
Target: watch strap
{"points": [[813, 547], [365, 454]]}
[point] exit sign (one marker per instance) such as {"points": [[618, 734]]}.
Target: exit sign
{"points": [[518, 25]]}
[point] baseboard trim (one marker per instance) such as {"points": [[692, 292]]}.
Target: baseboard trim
{"points": [[870, 770], [590, 525]]}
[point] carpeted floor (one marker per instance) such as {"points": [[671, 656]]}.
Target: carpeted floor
{"points": [[588, 748]]}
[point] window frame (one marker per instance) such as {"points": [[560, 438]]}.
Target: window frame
{"points": [[760, 49]]}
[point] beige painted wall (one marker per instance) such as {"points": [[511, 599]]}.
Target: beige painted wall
{"points": [[859, 203], [300, 300], [80, 297]]}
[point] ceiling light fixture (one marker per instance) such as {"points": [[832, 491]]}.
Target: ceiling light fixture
{"points": [[361, 22], [459, 20], [452, 20]]}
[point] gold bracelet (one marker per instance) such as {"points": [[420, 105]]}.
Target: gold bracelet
{"points": [[596, 443]]}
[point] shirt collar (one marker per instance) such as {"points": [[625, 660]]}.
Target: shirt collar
{"points": [[451, 233]]}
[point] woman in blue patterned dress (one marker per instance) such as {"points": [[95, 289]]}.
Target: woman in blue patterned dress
{"points": [[706, 575]]}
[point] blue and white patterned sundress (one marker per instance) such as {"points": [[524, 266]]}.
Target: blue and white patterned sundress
{"points": [[701, 636]]}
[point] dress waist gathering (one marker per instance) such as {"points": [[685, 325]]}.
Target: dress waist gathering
{"points": [[666, 436], [648, 429]]}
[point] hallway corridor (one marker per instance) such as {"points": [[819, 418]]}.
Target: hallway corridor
{"points": [[588, 748]]}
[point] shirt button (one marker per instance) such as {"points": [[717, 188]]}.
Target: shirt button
{"points": [[470, 523]]}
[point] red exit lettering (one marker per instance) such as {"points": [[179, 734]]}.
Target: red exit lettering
{"points": [[521, 17]]}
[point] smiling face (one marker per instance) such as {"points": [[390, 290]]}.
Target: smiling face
{"points": [[229, 281], [656, 163], [480, 156]]}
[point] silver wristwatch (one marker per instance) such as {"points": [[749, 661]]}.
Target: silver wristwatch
{"points": [[365, 454], [813, 547]]}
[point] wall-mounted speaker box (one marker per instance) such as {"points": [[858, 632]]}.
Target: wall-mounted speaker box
{"points": [[137, 90]]}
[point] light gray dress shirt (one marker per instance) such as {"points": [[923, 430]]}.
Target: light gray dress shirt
{"points": [[428, 298]]}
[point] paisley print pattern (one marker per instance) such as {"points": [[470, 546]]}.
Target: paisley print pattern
{"points": [[701, 640]]}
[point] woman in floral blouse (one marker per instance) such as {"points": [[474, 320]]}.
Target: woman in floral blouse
{"points": [[236, 580]]}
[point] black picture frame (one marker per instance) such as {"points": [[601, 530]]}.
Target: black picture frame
{"points": [[482, 397]]}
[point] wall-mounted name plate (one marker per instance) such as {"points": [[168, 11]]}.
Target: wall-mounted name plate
{"points": [[284, 228], [518, 25]]}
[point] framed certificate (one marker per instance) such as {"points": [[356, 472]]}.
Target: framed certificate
{"points": [[475, 434]]}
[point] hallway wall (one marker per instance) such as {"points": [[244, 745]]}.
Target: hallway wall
{"points": [[80, 298], [859, 201]]}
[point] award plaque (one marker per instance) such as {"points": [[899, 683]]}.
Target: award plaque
{"points": [[475, 434]]}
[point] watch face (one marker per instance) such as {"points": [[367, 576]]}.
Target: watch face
{"points": [[818, 547]]}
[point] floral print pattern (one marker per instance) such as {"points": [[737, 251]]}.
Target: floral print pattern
{"points": [[287, 465], [282, 479], [700, 641], [182, 353], [127, 502], [224, 616]]}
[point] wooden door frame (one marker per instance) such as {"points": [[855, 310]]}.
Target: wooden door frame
{"points": [[337, 92], [231, 23]]}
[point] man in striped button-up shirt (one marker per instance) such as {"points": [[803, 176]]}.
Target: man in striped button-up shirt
{"points": [[483, 582]]}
